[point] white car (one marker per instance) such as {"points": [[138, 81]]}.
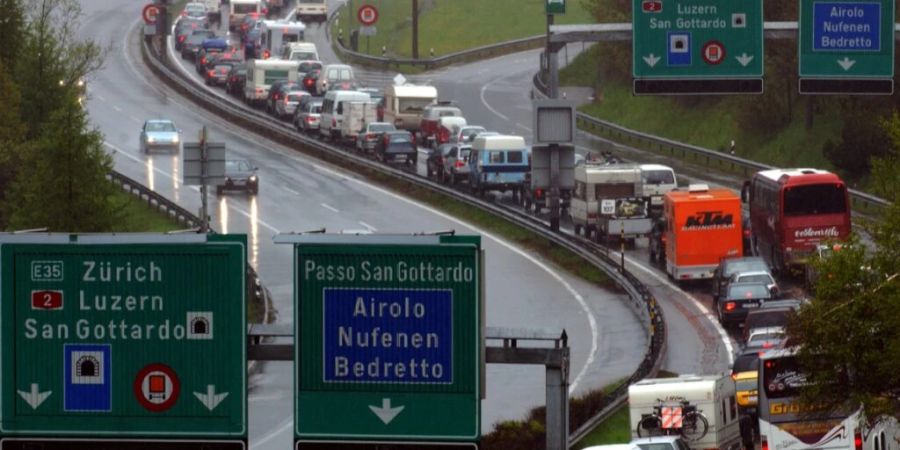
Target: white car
{"points": [[160, 134]]}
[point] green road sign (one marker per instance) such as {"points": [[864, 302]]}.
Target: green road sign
{"points": [[556, 6], [847, 39], [697, 39], [125, 335], [388, 338]]}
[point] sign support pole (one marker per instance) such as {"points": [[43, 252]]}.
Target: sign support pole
{"points": [[553, 199], [204, 154], [552, 63]]}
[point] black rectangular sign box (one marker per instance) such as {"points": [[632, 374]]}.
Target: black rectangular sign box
{"points": [[117, 444], [849, 86], [713, 86]]}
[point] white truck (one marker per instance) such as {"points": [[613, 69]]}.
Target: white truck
{"points": [[608, 201], [700, 409], [357, 115], [213, 10]]}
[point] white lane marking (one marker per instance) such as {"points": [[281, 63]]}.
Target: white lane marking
{"points": [[329, 207], [135, 119], [291, 190], [697, 303], [368, 227], [230, 206], [592, 321], [101, 98], [522, 126], [488, 106], [117, 108], [284, 426]]}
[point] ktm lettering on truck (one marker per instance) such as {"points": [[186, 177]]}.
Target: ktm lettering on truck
{"points": [[708, 220]]}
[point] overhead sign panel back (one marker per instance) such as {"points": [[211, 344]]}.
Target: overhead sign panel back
{"points": [[123, 339]]}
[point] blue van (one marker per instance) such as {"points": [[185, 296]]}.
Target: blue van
{"points": [[498, 163]]}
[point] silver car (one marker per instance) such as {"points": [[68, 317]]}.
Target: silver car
{"points": [[287, 105], [307, 120], [160, 134]]}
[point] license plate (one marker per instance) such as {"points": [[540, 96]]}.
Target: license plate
{"points": [[751, 305]]}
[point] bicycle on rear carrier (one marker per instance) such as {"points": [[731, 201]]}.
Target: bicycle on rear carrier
{"points": [[664, 421]]}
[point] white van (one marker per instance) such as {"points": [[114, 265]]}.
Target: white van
{"points": [[331, 74], [261, 73], [300, 51], [334, 108], [403, 104], [237, 9], [275, 34], [671, 403], [657, 180]]}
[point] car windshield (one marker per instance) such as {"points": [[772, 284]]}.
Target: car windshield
{"points": [[746, 362], [757, 278], [814, 199], [160, 126], [656, 446], [222, 68], [316, 108], [468, 133], [658, 177], [294, 97], [763, 337], [746, 291], [237, 165], [767, 319], [400, 139]]}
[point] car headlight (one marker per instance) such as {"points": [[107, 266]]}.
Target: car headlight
{"points": [[253, 178], [175, 139], [150, 140]]}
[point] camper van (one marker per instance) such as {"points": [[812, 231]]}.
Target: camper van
{"points": [[701, 409], [275, 34], [403, 105], [335, 108], [658, 179], [240, 8], [300, 51], [261, 73], [608, 201], [498, 163]]}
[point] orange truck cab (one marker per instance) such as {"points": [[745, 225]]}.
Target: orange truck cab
{"points": [[703, 225]]}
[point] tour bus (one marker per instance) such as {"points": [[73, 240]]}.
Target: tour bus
{"points": [[794, 210], [239, 9], [786, 425], [274, 35]]}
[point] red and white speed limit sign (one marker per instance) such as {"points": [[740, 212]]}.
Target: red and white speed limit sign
{"points": [[367, 15], [149, 14]]}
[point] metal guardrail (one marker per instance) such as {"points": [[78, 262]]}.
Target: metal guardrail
{"points": [[860, 201], [462, 56], [641, 301]]}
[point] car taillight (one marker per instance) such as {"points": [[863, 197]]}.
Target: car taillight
{"points": [[538, 193], [212, 73], [333, 122], [308, 82], [730, 306], [277, 96], [266, 54], [285, 100], [857, 440], [764, 444], [460, 163], [181, 38], [370, 136], [310, 119]]}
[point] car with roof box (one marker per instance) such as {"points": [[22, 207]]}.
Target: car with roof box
{"points": [[728, 266]]}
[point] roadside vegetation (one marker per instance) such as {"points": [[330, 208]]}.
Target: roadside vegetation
{"points": [[449, 26], [780, 127]]}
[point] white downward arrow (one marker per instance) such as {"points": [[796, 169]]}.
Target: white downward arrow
{"points": [[651, 59], [34, 398], [846, 63], [386, 413], [744, 59], [210, 399]]}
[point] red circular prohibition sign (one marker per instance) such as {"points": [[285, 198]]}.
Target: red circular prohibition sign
{"points": [[367, 15], [713, 52], [157, 387]]}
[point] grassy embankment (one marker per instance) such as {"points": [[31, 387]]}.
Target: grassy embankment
{"points": [[451, 26]]}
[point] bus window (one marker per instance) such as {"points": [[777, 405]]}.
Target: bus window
{"points": [[814, 199], [782, 378]]}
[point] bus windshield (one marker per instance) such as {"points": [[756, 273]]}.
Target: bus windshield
{"points": [[815, 199], [782, 378]]}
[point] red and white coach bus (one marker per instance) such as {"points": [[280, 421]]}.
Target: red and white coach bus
{"points": [[792, 211]]}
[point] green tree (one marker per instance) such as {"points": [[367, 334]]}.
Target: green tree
{"points": [[12, 28], [849, 335], [62, 183], [52, 59], [12, 131]]}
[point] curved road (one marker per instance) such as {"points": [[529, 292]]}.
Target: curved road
{"points": [[298, 193]]}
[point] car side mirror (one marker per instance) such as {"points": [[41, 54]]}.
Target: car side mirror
{"points": [[179, 131]]}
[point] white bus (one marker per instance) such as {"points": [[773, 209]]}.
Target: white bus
{"points": [[785, 424]]}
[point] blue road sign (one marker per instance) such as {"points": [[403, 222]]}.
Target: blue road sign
{"points": [[88, 381], [846, 26], [388, 335], [679, 49]]}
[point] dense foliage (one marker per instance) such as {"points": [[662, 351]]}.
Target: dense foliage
{"points": [[52, 164]]}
